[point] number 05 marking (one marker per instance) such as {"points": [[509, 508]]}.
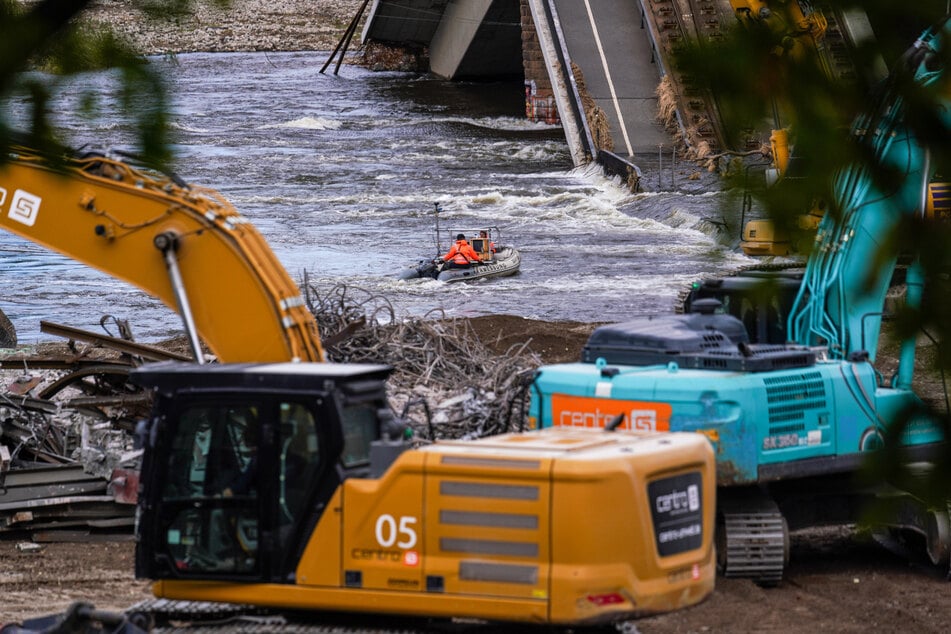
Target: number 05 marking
{"points": [[388, 530]]}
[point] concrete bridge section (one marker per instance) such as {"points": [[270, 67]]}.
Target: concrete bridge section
{"points": [[470, 39], [607, 42], [598, 52], [609, 53], [467, 39]]}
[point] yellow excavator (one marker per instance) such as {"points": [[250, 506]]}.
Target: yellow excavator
{"points": [[165, 237], [273, 480], [803, 28], [799, 29]]}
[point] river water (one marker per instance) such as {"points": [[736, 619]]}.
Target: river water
{"points": [[341, 173]]}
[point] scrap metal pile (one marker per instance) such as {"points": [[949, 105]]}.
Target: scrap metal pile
{"points": [[68, 469]]}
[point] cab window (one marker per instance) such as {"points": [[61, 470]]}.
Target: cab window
{"points": [[360, 428], [211, 492], [299, 461]]}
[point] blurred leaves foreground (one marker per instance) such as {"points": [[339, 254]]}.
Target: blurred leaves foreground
{"points": [[43, 43], [758, 74], [766, 73]]}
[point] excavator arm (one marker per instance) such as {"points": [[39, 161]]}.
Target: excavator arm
{"points": [[185, 245], [849, 270], [797, 417]]}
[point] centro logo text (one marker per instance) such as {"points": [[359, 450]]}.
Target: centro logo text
{"points": [[679, 501], [643, 419]]}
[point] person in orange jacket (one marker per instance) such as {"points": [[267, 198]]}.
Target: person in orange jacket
{"points": [[485, 236], [461, 254]]}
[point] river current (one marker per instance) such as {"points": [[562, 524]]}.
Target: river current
{"points": [[341, 174]]}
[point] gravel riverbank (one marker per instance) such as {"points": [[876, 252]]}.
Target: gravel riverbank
{"points": [[246, 25]]}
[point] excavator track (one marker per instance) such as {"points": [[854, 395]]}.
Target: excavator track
{"points": [[165, 616], [160, 611], [752, 540]]}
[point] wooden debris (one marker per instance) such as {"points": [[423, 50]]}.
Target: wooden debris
{"points": [[67, 442], [468, 390]]}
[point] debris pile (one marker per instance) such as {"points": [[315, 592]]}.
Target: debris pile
{"points": [[65, 503], [446, 382], [378, 56], [57, 461], [68, 467]]}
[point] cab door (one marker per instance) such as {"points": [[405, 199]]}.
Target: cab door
{"points": [[230, 487]]}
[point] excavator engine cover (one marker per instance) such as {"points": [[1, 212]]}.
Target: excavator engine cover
{"points": [[703, 341], [259, 488]]}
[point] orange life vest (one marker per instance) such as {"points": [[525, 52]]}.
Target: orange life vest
{"points": [[461, 253]]}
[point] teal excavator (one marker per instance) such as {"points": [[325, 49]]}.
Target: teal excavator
{"points": [[793, 422]]}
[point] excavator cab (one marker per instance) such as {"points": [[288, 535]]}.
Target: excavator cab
{"points": [[760, 299], [241, 460]]}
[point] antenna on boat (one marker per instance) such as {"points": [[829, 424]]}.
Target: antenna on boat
{"points": [[438, 240]]}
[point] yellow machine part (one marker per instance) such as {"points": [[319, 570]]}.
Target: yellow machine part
{"points": [[560, 526], [939, 201], [763, 237], [796, 29], [779, 146], [752, 6], [107, 214]]}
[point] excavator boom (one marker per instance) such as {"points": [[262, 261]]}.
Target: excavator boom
{"points": [[185, 245]]}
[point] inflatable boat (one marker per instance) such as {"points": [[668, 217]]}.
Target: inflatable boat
{"points": [[504, 261]]}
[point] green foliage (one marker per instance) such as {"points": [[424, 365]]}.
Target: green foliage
{"points": [[43, 43], [769, 76]]}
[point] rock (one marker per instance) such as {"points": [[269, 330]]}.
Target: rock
{"points": [[8, 334]]}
